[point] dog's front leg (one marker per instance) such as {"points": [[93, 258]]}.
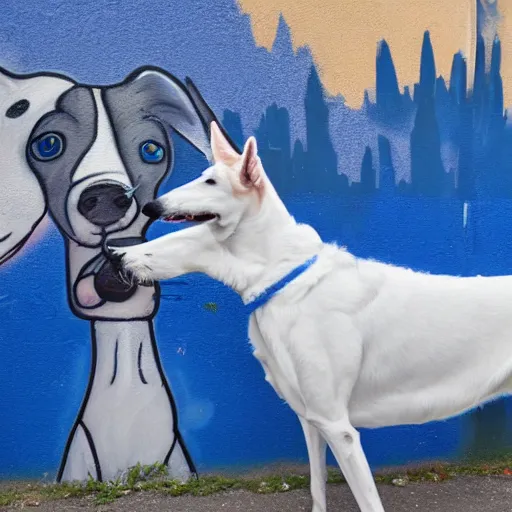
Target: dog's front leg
{"points": [[326, 373], [169, 256], [317, 462], [344, 441]]}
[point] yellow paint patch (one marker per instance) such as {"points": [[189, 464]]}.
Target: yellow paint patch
{"points": [[343, 36]]}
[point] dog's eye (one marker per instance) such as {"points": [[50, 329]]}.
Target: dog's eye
{"points": [[48, 146], [151, 152], [211, 181]]}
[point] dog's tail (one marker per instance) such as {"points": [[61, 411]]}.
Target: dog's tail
{"points": [[206, 113]]}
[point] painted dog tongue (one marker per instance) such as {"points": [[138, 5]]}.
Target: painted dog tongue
{"points": [[86, 294]]}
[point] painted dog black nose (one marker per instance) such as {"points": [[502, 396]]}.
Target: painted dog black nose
{"points": [[104, 204], [153, 210]]}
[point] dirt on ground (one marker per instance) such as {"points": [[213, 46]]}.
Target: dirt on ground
{"points": [[461, 494]]}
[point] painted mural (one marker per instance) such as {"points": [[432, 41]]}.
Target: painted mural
{"points": [[398, 146], [99, 154]]}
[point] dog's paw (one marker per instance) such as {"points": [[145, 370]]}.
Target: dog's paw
{"points": [[117, 260], [115, 256], [130, 265]]}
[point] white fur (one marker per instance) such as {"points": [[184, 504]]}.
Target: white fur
{"points": [[351, 342]]}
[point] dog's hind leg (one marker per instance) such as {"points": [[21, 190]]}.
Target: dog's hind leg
{"points": [[344, 441], [317, 462]]}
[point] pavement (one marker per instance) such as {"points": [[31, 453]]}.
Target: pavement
{"points": [[461, 494]]}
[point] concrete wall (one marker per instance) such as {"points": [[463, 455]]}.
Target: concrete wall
{"points": [[381, 124]]}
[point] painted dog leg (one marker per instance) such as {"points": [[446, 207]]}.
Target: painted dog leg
{"points": [[317, 461], [179, 465], [79, 461]]}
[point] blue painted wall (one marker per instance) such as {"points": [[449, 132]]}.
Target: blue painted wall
{"points": [[228, 415]]}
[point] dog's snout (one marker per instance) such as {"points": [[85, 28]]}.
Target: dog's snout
{"points": [[104, 204], [153, 210]]}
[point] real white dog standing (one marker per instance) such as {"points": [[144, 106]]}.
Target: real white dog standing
{"points": [[347, 342]]}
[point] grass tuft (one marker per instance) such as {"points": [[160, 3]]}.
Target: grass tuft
{"points": [[155, 478]]}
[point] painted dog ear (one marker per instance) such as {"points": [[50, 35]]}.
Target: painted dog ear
{"points": [[167, 99], [207, 114]]}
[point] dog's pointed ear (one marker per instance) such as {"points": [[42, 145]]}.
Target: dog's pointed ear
{"points": [[251, 171], [221, 148], [164, 96]]}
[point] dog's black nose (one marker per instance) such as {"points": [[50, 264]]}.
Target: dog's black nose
{"points": [[153, 210], [104, 204]]}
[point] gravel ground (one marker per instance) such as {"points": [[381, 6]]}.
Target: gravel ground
{"points": [[462, 494]]}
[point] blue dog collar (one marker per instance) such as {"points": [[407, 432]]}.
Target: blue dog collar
{"points": [[267, 294]]}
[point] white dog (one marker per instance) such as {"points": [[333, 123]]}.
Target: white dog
{"points": [[346, 342]]}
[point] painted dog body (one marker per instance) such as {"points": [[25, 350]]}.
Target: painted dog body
{"points": [[100, 155]]}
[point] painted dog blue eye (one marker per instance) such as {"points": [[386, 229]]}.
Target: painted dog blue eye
{"points": [[48, 147], [151, 152]]}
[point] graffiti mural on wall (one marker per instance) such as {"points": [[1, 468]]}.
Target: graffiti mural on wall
{"points": [[416, 170], [22, 203], [99, 154]]}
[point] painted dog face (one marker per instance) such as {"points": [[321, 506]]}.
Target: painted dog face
{"points": [[23, 100], [103, 152], [100, 156]]}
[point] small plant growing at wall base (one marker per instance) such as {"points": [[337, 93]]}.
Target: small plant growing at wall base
{"points": [[154, 478]]}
